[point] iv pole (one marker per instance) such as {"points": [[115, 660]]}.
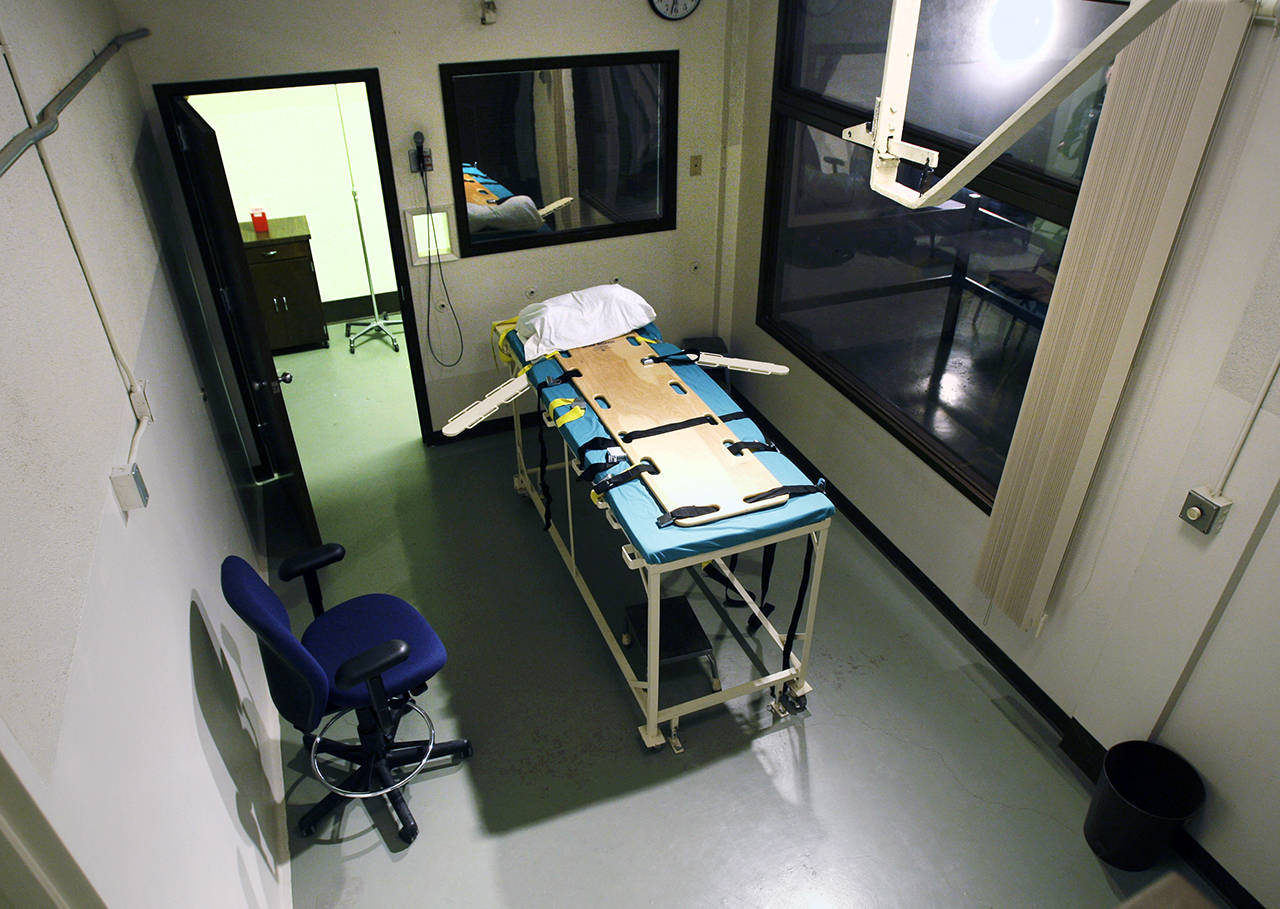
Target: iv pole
{"points": [[377, 324]]}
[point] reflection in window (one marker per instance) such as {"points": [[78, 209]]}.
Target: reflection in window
{"points": [[976, 62], [929, 319], [935, 313]]}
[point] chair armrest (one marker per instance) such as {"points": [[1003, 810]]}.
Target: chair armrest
{"points": [[374, 661], [313, 560]]}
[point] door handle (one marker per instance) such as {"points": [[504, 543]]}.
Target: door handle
{"points": [[276, 303], [270, 252], [285, 301], [284, 377]]}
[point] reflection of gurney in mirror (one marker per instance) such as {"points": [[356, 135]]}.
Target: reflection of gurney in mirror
{"points": [[688, 478], [491, 206]]}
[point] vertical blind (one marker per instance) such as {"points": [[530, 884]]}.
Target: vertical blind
{"points": [[1164, 95]]}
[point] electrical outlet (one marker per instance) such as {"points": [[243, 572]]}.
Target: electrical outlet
{"points": [[415, 166], [1205, 511]]}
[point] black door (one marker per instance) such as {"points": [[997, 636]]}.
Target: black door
{"points": [[283, 505]]}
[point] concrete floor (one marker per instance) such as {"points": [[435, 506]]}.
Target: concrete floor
{"points": [[917, 776]]}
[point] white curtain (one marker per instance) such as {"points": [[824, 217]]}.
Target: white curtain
{"points": [[1164, 95]]}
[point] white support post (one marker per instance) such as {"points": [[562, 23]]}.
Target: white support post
{"points": [[653, 590], [883, 135]]}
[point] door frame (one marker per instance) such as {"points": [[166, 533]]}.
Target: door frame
{"points": [[166, 93]]}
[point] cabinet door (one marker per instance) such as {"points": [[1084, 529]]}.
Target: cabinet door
{"points": [[290, 302], [300, 298], [271, 281]]}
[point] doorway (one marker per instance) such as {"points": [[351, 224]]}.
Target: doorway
{"points": [[289, 185]]}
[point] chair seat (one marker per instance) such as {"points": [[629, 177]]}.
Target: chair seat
{"points": [[353, 627]]}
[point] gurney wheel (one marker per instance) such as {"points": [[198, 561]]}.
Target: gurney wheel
{"points": [[395, 347], [795, 703]]}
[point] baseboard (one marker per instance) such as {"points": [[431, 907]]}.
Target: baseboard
{"points": [[351, 308], [1082, 749], [1077, 744]]}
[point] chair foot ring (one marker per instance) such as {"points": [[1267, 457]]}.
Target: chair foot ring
{"points": [[347, 793]]}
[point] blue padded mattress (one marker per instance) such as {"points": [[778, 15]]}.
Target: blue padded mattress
{"points": [[636, 509]]}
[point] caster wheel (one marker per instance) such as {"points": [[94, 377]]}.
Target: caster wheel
{"points": [[795, 703], [395, 347], [352, 347]]}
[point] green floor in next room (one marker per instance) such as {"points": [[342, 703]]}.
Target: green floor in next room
{"points": [[917, 777]]}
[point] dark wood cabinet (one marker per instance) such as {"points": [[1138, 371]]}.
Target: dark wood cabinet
{"points": [[284, 279]]}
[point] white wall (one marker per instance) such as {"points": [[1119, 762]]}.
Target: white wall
{"points": [[407, 41], [124, 707], [285, 151], [1138, 586]]}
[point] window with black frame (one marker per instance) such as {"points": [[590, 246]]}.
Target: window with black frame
{"points": [[927, 319]]}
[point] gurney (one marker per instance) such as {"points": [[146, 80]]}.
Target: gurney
{"points": [[630, 411]]}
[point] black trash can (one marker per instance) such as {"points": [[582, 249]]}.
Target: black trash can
{"points": [[1145, 793]]}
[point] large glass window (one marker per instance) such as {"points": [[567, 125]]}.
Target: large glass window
{"points": [[927, 319]]}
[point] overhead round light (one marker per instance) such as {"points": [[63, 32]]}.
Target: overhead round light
{"points": [[1020, 31]]}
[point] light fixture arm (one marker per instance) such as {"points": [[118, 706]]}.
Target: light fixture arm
{"points": [[883, 135]]}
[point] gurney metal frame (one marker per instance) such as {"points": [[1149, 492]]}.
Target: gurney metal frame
{"points": [[789, 685]]}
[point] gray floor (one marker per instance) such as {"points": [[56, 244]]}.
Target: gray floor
{"points": [[917, 777]]}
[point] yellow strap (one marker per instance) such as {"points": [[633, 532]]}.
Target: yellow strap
{"points": [[497, 341], [568, 416]]}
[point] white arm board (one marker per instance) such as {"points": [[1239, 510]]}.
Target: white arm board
{"points": [[477, 411]]}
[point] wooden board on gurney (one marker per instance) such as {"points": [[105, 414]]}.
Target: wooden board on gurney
{"points": [[695, 467]]}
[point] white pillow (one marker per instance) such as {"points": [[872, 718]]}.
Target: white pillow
{"points": [[580, 318]]}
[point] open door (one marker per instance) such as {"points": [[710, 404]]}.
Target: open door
{"points": [[289, 521]]}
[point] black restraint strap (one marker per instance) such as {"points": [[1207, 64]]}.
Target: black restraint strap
{"points": [[766, 574], [795, 613], [625, 477], [738, 448], [736, 415], [685, 512], [543, 486], [665, 428], [688, 355], [558, 380], [591, 471], [599, 443], [786, 490]]}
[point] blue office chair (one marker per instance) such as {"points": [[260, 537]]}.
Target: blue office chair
{"points": [[370, 654]]}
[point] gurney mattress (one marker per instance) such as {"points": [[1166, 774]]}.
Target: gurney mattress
{"points": [[633, 505]]}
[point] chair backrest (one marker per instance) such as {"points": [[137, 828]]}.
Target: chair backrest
{"points": [[299, 686]]}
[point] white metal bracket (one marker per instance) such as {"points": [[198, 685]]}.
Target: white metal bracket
{"points": [[883, 134]]}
